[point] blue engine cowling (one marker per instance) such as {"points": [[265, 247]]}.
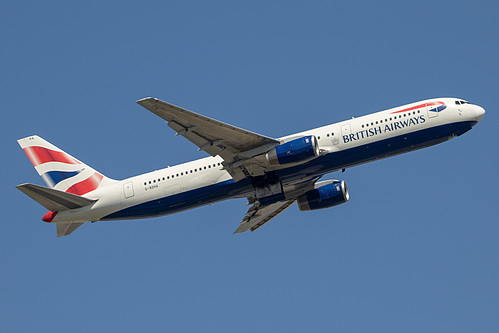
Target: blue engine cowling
{"points": [[296, 151], [324, 197]]}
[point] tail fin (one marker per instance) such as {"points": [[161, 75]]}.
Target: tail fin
{"points": [[60, 170]]}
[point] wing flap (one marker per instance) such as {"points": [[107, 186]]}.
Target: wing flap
{"points": [[54, 200]]}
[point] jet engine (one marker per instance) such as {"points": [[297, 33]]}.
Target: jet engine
{"points": [[325, 196], [295, 151]]}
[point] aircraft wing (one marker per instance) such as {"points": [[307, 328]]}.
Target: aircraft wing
{"points": [[258, 216], [235, 145]]}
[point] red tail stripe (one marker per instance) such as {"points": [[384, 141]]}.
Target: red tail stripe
{"points": [[86, 185], [40, 155]]}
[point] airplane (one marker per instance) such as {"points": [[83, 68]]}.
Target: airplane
{"points": [[272, 173]]}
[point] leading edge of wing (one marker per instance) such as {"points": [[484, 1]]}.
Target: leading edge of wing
{"points": [[206, 132]]}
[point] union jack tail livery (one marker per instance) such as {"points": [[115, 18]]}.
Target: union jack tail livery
{"points": [[60, 170], [69, 181]]}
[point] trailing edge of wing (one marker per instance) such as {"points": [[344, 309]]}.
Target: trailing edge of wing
{"points": [[258, 216], [54, 200]]}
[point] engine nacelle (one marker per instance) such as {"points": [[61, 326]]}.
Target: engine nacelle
{"points": [[295, 151], [325, 196]]}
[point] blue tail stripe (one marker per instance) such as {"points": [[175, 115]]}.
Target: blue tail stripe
{"points": [[54, 177]]}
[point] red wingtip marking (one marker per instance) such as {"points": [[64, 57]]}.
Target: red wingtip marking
{"points": [[49, 216]]}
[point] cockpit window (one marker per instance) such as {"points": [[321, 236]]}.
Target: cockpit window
{"points": [[461, 102]]}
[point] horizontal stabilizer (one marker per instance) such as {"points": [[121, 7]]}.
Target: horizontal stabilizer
{"points": [[64, 229], [54, 200]]}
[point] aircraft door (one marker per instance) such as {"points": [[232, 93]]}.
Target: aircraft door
{"points": [[346, 130], [128, 190]]}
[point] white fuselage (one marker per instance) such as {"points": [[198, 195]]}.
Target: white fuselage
{"points": [[344, 144]]}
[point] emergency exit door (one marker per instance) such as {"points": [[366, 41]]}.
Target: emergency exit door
{"points": [[128, 190]]}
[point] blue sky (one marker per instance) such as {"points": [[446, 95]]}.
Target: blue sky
{"points": [[415, 249]]}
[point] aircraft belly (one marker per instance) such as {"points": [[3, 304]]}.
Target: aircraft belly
{"points": [[184, 200]]}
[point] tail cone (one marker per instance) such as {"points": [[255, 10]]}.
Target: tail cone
{"points": [[49, 216]]}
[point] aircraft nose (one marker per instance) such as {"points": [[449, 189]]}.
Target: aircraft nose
{"points": [[480, 112]]}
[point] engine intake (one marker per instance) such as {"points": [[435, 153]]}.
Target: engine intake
{"points": [[325, 196], [295, 151]]}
